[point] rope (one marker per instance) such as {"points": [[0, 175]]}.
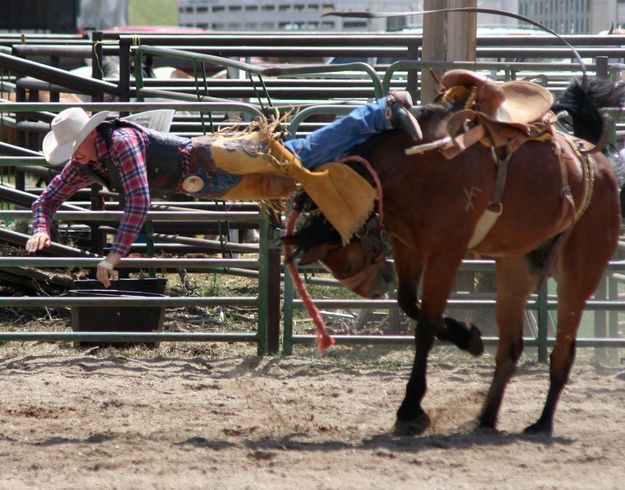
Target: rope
{"points": [[323, 338], [97, 58]]}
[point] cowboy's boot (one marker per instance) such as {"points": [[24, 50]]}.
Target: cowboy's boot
{"points": [[398, 114]]}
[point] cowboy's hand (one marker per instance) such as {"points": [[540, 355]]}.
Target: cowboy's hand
{"points": [[106, 269], [37, 242]]}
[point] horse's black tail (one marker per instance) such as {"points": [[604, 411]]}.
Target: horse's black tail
{"points": [[583, 100]]}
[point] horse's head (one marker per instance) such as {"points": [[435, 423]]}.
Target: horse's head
{"points": [[360, 265]]}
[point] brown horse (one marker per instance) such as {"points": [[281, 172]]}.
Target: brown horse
{"points": [[559, 215]]}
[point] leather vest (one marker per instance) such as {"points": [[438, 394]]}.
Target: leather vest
{"points": [[163, 159]]}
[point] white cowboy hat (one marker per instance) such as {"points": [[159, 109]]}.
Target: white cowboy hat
{"points": [[69, 129]]}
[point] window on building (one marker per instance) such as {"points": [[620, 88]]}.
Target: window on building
{"points": [[219, 8], [354, 24], [284, 8], [251, 8], [268, 8], [313, 7], [234, 8], [327, 24]]}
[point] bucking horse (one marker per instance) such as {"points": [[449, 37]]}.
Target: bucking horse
{"points": [[493, 175]]}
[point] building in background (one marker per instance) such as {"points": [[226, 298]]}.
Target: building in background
{"points": [[271, 15], [575, 16], [562, 16]]}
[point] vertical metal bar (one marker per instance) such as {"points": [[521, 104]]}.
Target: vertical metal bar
{"points": [[613, 330], [138, 74], [273, 294], [602, 67], [124, 72], [543, 322], [96, 63], [149, 244], [412, 83], [54, 95], [601, 320], [20, 138], [97, 203], [97, 235], [210, 114], [287, 314], [263, 286]]}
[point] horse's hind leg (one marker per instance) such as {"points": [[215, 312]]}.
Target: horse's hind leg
{"points": [[575, 284], [516, 279]]}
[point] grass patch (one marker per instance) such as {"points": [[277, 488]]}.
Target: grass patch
{"points": [[153, 12]]}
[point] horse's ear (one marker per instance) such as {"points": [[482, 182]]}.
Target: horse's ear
{"points": [[313, 254]]}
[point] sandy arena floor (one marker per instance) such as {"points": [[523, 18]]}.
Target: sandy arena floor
{"points": [[116, 421]]}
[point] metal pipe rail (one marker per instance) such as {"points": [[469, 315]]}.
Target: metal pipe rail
{"points": [[132, 106], [409, 340], [55, 75], [302, 115], [126, 263], [391, 52], [353, 39], [510, 69], [197, 56], [77, 49], [103, 216], [126, 337], [134, 302], [541, 302], [260, 337]]}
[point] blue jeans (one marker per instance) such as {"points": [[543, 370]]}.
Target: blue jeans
{"points": [[323, 145], [332, 141]]}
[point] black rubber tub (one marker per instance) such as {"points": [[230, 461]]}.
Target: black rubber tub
{"points": [[118, 319]]}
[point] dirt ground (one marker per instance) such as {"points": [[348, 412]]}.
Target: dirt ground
{"points": [[111, 419]]}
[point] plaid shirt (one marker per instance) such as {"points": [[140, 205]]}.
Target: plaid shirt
{"points": [[127, 152]]}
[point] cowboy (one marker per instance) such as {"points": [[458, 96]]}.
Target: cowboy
{"points": [[141, 163]]}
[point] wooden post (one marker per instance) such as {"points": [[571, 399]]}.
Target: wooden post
{"points": [[447, 36]]}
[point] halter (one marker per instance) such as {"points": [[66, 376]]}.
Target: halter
{"points": [[376, 248]]}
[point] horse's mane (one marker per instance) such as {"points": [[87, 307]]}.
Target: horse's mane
{"points": [[582, 100], [315, 229]]}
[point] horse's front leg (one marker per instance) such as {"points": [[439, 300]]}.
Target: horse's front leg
{"points": [[437, 283], [466, 336], [515, 282], [409, 269]]}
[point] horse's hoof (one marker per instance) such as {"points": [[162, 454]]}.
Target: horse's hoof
{"points": [[476, 345], [411, 427], [539, 427]]}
